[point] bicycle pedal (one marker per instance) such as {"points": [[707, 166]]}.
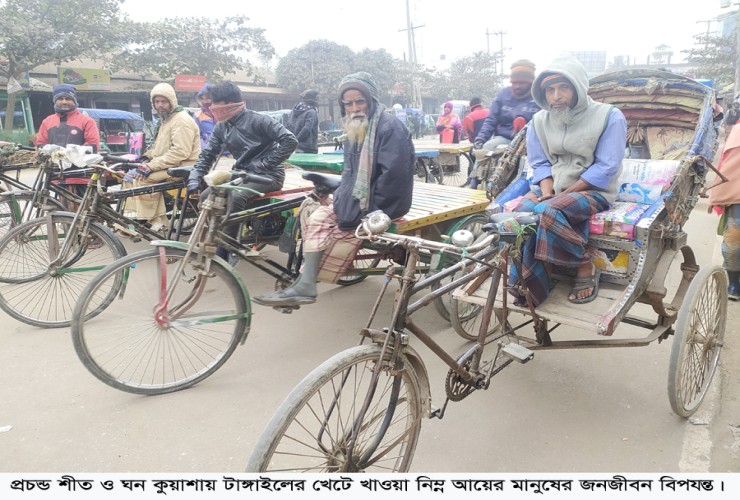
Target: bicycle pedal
{"points": [[518, 352], [286, 309]]}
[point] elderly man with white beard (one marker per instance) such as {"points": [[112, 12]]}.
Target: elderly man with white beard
{"points": [[575, 147], [378, 174]]}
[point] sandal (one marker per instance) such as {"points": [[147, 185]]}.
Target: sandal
{"points": [[584, 283]]}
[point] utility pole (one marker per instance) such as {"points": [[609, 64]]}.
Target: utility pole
{"points": [[488, 49], [706, 39], [500, 53], [415, 93]]}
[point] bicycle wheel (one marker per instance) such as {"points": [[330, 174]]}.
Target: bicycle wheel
{"points": [[350, 278], [700, 333], [421, 172], [455, 175], [136, 348], [474, 224], [467, 317], [312, 429], [40, 294], [16, 207]]}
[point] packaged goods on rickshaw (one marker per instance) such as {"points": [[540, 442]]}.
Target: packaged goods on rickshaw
{"points": [[619, 221]]}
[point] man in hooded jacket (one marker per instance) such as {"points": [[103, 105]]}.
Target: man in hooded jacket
{"points": [[378, 174], [176, 143], [304, 122], [575, 147]]}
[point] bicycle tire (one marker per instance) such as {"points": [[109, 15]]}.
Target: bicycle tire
{"points": [[466, 317], [698, 340], [33, 292], [13, 206], [127, 349], [314, 401], [348, 278]]}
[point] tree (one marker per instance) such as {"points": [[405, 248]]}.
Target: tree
{"points": [[319, 64], [474, 76], [715, 58], [198, 46], [36, 32], [382, 66]]}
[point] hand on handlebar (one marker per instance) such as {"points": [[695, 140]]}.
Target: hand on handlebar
{"points": [[478, 145]]}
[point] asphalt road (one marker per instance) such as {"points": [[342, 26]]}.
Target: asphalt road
{"points": [[599, 410]]}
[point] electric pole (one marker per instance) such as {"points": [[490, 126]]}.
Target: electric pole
{"points": [[415, 93]]}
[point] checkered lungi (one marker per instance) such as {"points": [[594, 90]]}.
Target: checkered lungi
{"points": [[562, 236], [731, 238], [321, 234]]}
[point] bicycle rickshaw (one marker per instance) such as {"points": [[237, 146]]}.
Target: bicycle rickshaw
{"points": [[48, 255], [164, 319], [362, 409]]}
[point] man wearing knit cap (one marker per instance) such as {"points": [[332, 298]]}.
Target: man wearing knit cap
{"points": [[68, 126], [509, 104], [473, 121], [378, 174], [304, 122], [575, 147]]}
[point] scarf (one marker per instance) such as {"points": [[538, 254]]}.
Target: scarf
{"points": [[160, 122], [448, 119], [225, 112], [361, 189]]}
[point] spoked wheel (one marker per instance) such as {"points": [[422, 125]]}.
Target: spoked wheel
{"points": [[421, 172], [137, 346], [467, 317], [474, 224], [40, 294], [191, 216], [349, 277], [456, 175], [16, 207], [317, 428], [699, 337]]}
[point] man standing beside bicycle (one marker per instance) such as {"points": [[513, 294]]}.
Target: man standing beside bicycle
{"points": [[68, 126], [176, 143], [575, 147], [259, 144], [378, 174]]}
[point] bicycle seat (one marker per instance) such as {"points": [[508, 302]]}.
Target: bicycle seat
{"points": [[330, 181], [180, 172]]}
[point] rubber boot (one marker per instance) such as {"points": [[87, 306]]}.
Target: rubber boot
{"points": [[302, 292], [733, 291], [306, 283]]}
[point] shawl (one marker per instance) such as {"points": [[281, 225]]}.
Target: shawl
{"points": [[361, 189], [728, 193]]}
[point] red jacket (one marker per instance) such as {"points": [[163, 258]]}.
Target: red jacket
{"points": [[71, 128], [474, 121]]}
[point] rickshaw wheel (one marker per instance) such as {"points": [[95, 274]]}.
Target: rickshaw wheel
{"points": [[350, 278], [699, 337]]}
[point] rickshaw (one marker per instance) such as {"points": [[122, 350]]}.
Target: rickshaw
{"points": [[121, 132], [362, 409]]}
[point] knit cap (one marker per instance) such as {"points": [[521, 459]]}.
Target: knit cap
{"points": [[361, 81], [64, 90], [522, 71]]}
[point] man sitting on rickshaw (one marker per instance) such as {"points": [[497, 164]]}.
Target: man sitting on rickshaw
{"points": [[378, 174], [575, 147]]}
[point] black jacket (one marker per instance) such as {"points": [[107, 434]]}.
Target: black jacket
{"points": [[392, 181], [259, 144], [304, 123]]}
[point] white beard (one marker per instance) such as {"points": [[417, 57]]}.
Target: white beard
{"points": [[563, 117], [356, 126]]}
